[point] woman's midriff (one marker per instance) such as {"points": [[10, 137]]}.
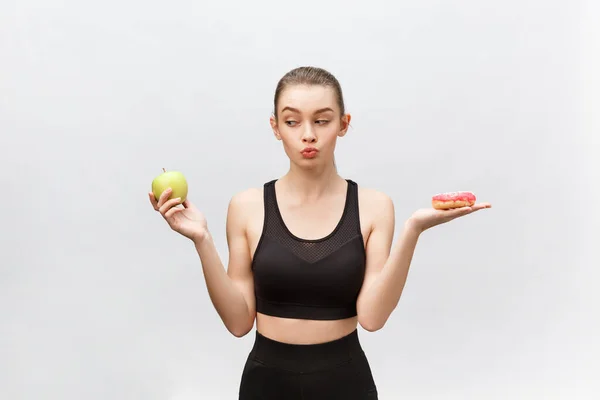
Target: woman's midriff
{"points": [[299, 331]]}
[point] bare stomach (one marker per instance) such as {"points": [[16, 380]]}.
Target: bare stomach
{"points": [[298, 331]]}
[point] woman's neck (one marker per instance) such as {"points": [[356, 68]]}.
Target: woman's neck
{"points": [[311, 183]]}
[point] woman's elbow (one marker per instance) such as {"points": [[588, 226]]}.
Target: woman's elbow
{"points": [[241, 330], [239, 333], [370, 324]]}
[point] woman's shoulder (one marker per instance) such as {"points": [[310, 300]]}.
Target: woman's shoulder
{"points": [[244, 206], [373, 197], [247, 197], [376, 209], [375, 203]]}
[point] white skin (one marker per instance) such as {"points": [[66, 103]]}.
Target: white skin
{"points": [[306, 194]]}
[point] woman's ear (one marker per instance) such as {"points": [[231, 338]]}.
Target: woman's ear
{"points": [[274, 127], [345, 124]]}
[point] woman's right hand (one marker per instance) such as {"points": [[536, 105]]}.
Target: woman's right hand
{"points": [[188, 221]]}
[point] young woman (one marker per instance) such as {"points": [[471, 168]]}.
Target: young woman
{"points": [[310, 256]]}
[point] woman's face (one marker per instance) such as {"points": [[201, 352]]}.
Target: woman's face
{"points": [[308, 123]]}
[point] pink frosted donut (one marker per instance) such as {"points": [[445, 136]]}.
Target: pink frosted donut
{"points": [[449, 200]]}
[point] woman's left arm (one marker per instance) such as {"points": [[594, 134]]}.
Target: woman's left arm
{"points": [[387, 268]]}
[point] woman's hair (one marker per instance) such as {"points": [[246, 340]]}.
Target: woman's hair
{"points": [[310, 76]]}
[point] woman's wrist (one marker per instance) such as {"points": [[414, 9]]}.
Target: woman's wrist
{"points": [[413, 226], [201, 238]]}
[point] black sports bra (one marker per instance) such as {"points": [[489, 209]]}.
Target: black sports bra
{"points": [[315, 279]]}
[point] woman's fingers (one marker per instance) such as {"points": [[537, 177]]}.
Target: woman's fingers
{"points": [[462, 211], [153, 200], [168, 205], [164, 196], [457, 212], [172, 211], [188, 204]]}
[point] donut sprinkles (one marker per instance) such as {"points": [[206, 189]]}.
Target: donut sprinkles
{"points": [[450, 200]]}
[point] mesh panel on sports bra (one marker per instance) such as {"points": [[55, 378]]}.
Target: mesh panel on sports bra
{"points": [[312, 250]]}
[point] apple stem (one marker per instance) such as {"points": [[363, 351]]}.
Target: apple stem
{"points": [[164, 170]]}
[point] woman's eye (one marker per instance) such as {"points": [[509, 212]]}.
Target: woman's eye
{"points": [[322, 121], [290, 123]]}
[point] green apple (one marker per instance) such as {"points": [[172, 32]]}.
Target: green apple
{"points": [[170, 179]]}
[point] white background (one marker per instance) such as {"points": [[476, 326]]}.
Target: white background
{"points": [[100, 300]]}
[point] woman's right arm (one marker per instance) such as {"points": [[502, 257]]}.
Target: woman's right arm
{"points": [[231, 292]]}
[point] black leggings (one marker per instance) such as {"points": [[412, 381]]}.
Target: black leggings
{"points": [[332, 370]]}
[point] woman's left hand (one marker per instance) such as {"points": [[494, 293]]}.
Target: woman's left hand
{"points": [[429, 217]]}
